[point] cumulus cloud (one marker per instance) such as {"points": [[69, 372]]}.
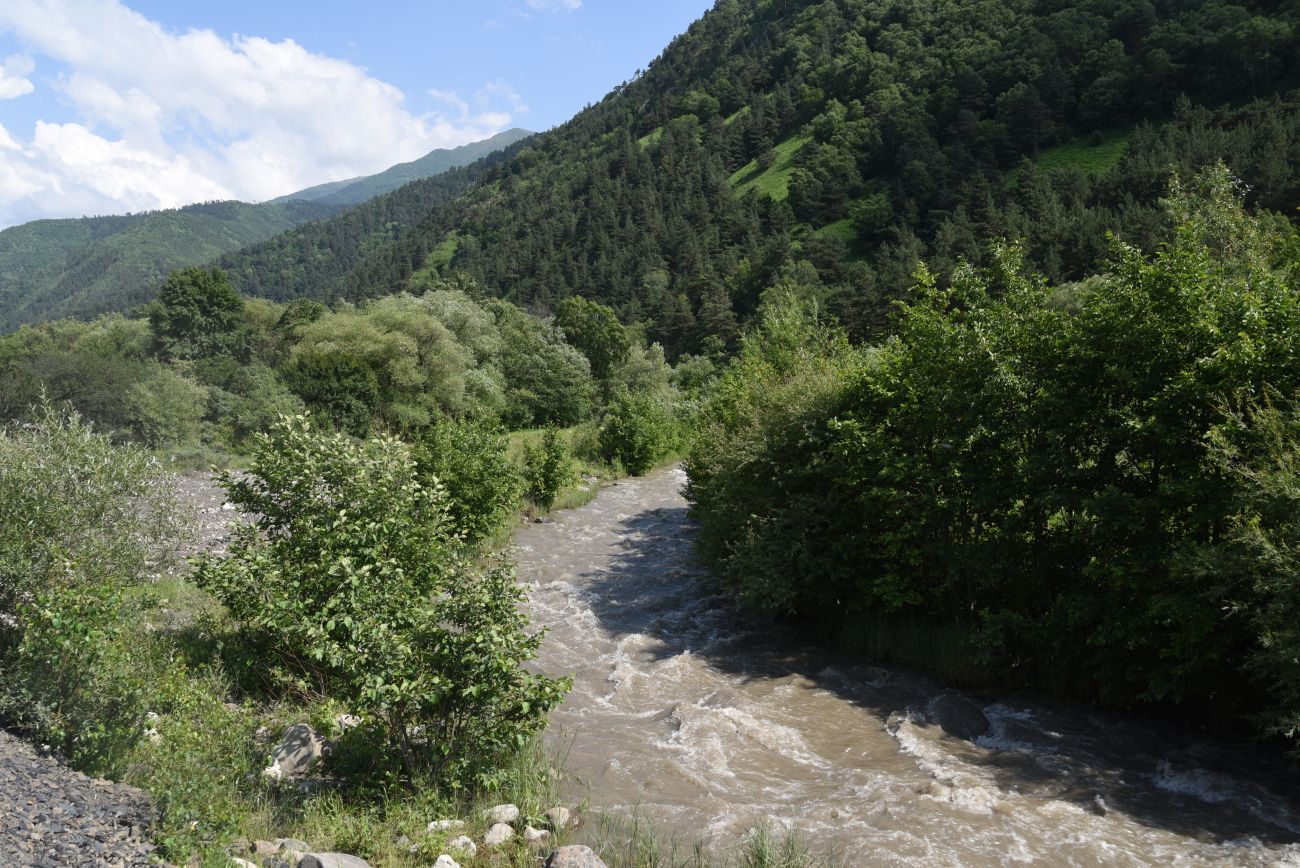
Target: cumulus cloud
{"points": [[13, 76], [165, 119]]}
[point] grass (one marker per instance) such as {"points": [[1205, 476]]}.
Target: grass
{"points": [[773, 182], [841, 229], [1092, 156], [651, 138], [735, 116]]}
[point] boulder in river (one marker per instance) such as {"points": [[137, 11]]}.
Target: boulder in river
{"points": [[574, 856], [959, 715]]}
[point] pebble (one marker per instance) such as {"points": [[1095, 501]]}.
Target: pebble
{"points": [[51, 816]]}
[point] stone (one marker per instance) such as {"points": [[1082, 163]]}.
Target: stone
{"points": [[959, 715], [332, 860], [508, 814], [264, 848], [464, 845], [347, 721], [559, 818], [499, 834], [446, 825], [236, 862], [298, 752], [535, 836], [574, 856], [292, 844], [445, 861]]}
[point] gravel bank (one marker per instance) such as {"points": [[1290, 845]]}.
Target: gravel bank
{"points": [[53, 816]]}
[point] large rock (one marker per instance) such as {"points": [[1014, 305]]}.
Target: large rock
{"points": [[446, 825], [508, 814], [536, 837], [445, 861], [499, 834], [959, 715], [332, 860], [574, 856], [299, 751]]}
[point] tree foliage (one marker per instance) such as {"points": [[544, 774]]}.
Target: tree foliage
{"points": [[349, 581], [1031, 462]]}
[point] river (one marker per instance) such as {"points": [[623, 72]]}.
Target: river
{"points": [[708, 722]]}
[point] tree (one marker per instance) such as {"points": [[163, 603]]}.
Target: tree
{"points": [[197, 314], [595, 330]]}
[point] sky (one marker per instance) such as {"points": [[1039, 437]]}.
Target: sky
{"points": [[115, 106]]}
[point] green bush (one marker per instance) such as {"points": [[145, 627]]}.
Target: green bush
{"points": [[82, 521], [548, 467], [349, 584], [470, 458], [639, 430], [1035, 475]]}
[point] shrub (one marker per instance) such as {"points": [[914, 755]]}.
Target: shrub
{"points": [[639, 431], [470, 459], [349, 578], [548, 467], [81, 522]]}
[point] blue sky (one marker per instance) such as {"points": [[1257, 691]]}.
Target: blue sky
{"points": [[108, 106]]}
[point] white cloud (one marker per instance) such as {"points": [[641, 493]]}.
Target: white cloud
{"points": [[165, 119], [554, 5], [13, 76]]}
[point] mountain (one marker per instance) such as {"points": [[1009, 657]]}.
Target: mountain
{"points": [[357, 190], [85, 266], [843, 142]]}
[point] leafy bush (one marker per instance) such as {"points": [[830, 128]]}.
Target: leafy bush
{"points": [[1031, 473], [470, 459], [548, 467], [639, 430], [349, 581], [81, 522]]}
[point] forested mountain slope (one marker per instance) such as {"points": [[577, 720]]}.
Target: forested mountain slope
{"points": [[357, 190], [85, 266], [90, 265], [859, 135]]}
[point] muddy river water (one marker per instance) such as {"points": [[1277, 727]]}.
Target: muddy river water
{"points": [[706, 722]]}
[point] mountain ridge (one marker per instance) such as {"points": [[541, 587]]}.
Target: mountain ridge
{"points": [[89, 265]]}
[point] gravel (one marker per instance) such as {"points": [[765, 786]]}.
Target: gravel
{"points": [[53, 816]]}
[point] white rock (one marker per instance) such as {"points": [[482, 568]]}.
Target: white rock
{"points": [[463, 845], [236, 862], [445, 861], [347, 721], [499, 834], [559, 817], [535, 836], [446, 825], [508, 814], [332, 860]]}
